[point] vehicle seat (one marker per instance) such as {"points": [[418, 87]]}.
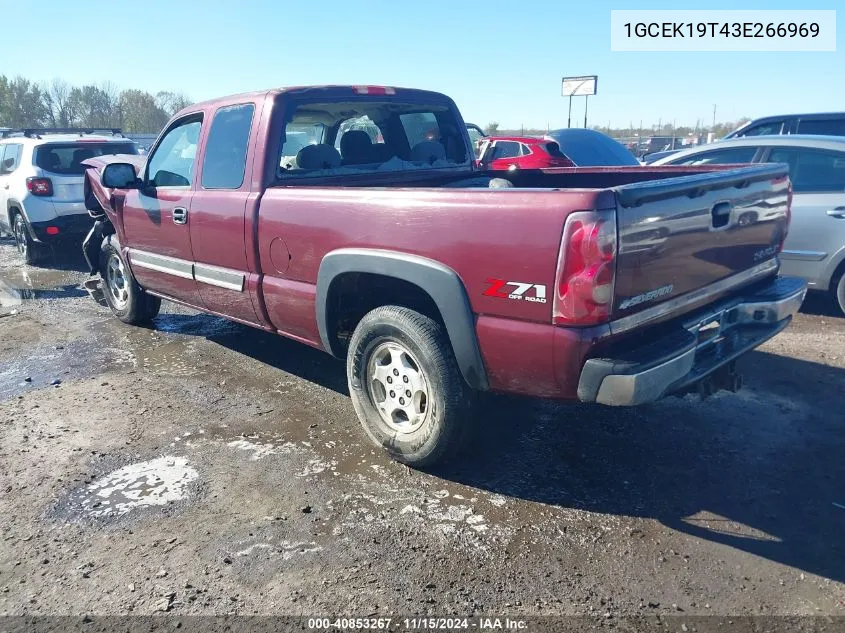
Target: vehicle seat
{"points": [[382, 153], [78, 156], [51, 161], [428, 152], [320, 156], [356, 148]]}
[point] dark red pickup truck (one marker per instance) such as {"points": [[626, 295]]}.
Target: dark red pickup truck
{"points": [[352, 219]]}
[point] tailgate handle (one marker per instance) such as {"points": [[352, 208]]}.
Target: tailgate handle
{"points": [[838, 212], [721, 214]]}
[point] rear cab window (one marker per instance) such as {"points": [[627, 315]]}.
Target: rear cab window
{"points": [[65, 158], [369, 134]]}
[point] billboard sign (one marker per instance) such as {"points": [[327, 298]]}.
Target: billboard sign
{"points": [[584, 86]]}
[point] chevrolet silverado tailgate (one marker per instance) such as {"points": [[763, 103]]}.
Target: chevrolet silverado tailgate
{"points": [[684, 240]]}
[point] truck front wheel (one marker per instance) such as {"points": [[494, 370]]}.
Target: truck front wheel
{"points": [[406, 386], [125, 297]]}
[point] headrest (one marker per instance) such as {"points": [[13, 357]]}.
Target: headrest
{"points": [[320, 156], [353, 141], [428, 152]]}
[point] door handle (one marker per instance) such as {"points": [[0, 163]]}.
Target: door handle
{"points": [[838, 212], [180, 215]]}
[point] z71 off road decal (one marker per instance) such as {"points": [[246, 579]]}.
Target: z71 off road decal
{"points": [[647, 296], [518, 290]]}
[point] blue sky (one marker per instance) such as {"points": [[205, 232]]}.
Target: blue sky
{"points": [[500, 61]]}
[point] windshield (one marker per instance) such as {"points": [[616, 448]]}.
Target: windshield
{"points": [[66, 158], [370, 135]]}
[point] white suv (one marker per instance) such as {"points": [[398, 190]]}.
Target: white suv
{"points": [[41, 184]]}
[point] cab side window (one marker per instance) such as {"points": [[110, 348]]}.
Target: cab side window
{"points": [[172, 162], [814, 171], [506, 149], [720, 157], [832, 127], [10, 157], [775, 127], [225, 152]]}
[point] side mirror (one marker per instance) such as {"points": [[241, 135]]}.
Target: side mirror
{"points": [[120, 176]]}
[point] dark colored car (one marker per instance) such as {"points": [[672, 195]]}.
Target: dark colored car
{"points": [[589, 148], [404, 259], [822, 123]]}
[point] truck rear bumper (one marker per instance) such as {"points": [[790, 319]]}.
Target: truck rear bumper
{"points": [[704, 343]]}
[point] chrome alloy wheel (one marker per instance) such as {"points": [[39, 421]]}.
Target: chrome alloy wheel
{"points": [[116, 282], [398, 387]]}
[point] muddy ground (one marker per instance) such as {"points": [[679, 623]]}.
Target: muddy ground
{"points": [[202, 467]]}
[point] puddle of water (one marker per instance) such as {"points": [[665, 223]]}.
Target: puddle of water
{"points": [[260, 451], [156, 482], [287, 549], [23, 284], [80, 358]]}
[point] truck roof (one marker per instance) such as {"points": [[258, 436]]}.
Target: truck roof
{"points": [[332, 90]]}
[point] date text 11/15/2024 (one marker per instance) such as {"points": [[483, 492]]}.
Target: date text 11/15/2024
{"points": [[418, 624]]}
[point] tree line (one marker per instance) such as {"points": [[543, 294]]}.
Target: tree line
{"points": [[24, 103]]}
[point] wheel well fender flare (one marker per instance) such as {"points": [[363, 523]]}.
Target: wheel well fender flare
{"points": [[13, 203], [441, 283]]}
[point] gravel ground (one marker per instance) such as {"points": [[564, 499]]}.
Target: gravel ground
{"points": [[201, 467]]}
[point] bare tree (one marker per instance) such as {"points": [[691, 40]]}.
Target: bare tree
{"points": [[59, 103], [171, 102]]}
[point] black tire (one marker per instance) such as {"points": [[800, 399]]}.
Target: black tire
{"points": [[30, 252], [839, 292], [448, 401], [124, 296]]}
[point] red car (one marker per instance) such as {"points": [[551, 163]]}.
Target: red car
{"points": [[503, 153]]}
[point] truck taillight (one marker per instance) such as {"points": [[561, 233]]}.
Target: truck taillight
{"points": [[586, 269], [40, 186]]}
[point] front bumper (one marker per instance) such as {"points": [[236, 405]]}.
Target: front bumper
{"points": [[692, 349], [68, 226]]}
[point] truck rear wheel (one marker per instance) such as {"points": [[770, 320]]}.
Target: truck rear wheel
{"points": [[406, 387], [125, 297]]}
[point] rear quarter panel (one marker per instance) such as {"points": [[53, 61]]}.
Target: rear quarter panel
{"points": [[510, 234]]}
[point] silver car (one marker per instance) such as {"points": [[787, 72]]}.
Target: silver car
{"points": [[815, 246]]}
